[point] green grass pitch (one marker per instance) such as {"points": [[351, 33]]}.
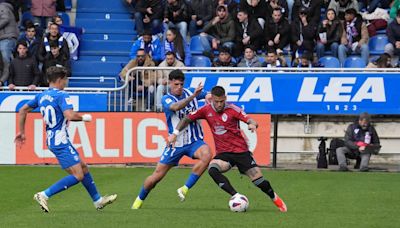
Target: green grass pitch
{"points": [[314, 199]]}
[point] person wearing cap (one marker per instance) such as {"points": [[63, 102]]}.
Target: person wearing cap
{"points": [[358, 135]]}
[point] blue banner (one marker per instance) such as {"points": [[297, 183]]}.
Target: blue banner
{"points": [[88, 102], [306, 92]]}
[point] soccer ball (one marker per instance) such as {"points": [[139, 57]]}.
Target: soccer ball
{"points": [[238, 203]]}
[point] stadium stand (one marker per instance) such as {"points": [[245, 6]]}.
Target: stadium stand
{"points": [[377, 44]]}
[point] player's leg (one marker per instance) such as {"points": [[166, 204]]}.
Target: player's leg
{"points": [[203, 154], [99, 201], [215, 169], [150, 182]]}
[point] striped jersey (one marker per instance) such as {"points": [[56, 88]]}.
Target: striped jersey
{"points": [[194, 131], [52, 103]]}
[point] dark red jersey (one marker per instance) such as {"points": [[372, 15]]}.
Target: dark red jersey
{"points": [[224, 126]]}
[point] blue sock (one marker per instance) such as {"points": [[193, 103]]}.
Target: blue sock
{"points": [[192, 180], [61, 185], [91, 187], [143, 193]]}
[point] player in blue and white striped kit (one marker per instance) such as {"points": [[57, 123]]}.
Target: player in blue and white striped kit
{"points": [[56, 108], [177, 104]]}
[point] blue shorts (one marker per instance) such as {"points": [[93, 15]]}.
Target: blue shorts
{"points": [[172, 156], [66, 156]]}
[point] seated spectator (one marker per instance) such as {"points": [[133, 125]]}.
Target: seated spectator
{"points": [[358, 135], [162, 81], [355, 37], [150, 44], [29, 36], [248, 32], [224, 59], [231, 5], [255, 9], [273, 60], [330, 32], [303, 34], [58, 20], [176, 14], [43, 11], [313, 8], [384, 61], [201, 13], [149, 15], [393, 10], [250, 58], [305, 60], [277, 30], [54, 35], [174, 42], [71, 35], [54, 58], [282, 5], [23, 69], [340, 7], [393, 33], [219, 32]]}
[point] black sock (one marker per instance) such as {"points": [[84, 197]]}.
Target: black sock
{"points": [[265, 186], [221, 181]]}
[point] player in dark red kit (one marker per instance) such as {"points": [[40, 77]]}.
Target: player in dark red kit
{"points": [[231, 147]]}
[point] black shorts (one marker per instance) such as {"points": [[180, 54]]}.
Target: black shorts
{"points": [[244, 161]]}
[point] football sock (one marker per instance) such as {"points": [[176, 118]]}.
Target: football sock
{"points": [[91, 187], [221, 180], [265, 186], [192, 180], [143, 193], [61, 185]]}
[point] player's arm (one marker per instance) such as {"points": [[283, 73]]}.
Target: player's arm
{"points": [[182, 103], [241, 115], [71, 115], [23, 112], [181, 125]]}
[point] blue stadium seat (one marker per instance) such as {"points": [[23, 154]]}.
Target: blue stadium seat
{"points": [[261, 59], [377, 44], [196, 48], [26, 16], [330, 62], [354, 62], [65, 18], [200, 61], [120, 26]]}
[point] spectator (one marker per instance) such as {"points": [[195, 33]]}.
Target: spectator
{"points": [[248, 32], [305, 60], [175, 43], [43, 11], [354, 38], [8, 35], [54, 58], [330, 32], [277, 30], [201, 13], [384, 61], [273, 60], [303, 34], [23, 69], [231, 5], [313, 8], [358, 135], [224, 59], [54, 35], [2, 80], [340, 7], [255, 9], [393, 10], [150, 44], [30, 37], [149, 14], [220, 31], [393, 33], [282, 5], [162, 81], [176, 14], [250, 58]]}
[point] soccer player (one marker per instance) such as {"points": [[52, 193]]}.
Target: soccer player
{"points": [[176, 105], [56, 108], [231, 147]]}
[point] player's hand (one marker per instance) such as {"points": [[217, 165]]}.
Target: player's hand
{"points": [[20, 139], [86, 117], [198, 90], [252, 127], [172, 139]]}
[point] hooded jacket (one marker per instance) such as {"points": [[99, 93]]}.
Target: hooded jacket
{"points": [[224, 30]]}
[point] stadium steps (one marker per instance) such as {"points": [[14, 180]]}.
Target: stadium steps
{"points": [[100, 6], [105, 47], [119, 26]]}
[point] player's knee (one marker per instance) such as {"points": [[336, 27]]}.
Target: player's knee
{"points": [[206, 156], [214, 169], [79, 176]]}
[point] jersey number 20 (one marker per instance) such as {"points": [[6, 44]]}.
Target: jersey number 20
{"points": [[49, 115]]}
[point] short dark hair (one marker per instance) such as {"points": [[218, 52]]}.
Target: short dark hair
{"points": [[351, 11], [218, 91], [53, 43], [29, 25], [147, 32], [365, 116], [22, 42], [251, 47], [224, 49], [271, 50], [55, 72], [170, 53], [243, 11], [221, 7], [176, 75]]}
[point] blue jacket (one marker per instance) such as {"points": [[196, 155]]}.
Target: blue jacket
{"points": [[153, 49]]}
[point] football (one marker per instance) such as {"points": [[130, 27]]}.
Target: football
{"points": [[238, 203]]}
